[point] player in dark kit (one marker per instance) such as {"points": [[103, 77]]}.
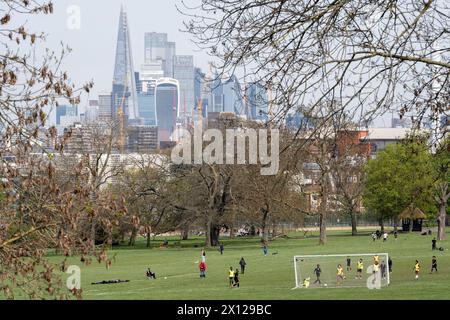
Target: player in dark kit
{"points": [[434, 264], [349, 264], [317, 272]]}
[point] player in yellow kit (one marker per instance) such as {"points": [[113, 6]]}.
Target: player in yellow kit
{"points": [[359, 269], [417, 269], [340, 274]]}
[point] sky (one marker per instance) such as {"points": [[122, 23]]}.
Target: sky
{"points": [[94, 42]]}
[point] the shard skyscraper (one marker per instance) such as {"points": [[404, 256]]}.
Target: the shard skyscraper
{"points": [[124, 92]]}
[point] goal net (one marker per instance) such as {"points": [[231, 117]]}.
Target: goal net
{"points": [[342, 270]]}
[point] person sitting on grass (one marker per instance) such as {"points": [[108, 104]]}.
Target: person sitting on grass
{"points": [[306, 283], [434, 264], [150, 274], [231, 277]]}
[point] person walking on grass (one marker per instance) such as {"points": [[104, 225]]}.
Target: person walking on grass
{"points": [[434, 264], [221, 248], [231, 277], [417, 269], [202, 270], [433, 244], [242, 263], [236, 278], [265, 250]]}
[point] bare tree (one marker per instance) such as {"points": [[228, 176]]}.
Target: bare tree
{"points": [[370, 56]]}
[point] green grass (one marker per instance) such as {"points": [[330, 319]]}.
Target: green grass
{"points": [[270, 277]]}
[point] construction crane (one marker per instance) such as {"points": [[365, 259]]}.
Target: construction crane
{"points": [[121, 116]]}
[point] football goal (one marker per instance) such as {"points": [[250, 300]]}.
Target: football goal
{"points": [[342, 270]]}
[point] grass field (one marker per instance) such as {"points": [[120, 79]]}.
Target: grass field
{"points": [[270, 277]]}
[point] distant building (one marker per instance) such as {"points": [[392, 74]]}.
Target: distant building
{"points": [[257, 102], [105, 107], [167, 99], [401, 123], [147, 103], [64, 112], [216, 95], [159, 50], [232, 96], [183, 71], [124, 91], [142, 139]]}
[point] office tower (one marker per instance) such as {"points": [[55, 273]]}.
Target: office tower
{"points": [[91, 113], [167, 107], [158, 49], [151, 71], [147, 102], [257, 103], [105, 107], [216, 94], [65, 113], [232, 96], [183, 71], [124, 93], [142, 139]]}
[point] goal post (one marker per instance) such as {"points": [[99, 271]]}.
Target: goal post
{"points": [[318, 271]]}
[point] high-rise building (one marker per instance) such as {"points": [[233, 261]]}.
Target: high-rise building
{"points": [[147, 103], [158, 49], [167, 106], [142, 139], [257, 103], [105, 107], [91, 113], [65, 111], [183, 71], [232, 96], [124, 93], [216, 95]]}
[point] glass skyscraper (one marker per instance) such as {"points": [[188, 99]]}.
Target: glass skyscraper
{"points": [[257, 104], [158, 48], [183, 71], [232, 96], [167, 107], [124, 93]]}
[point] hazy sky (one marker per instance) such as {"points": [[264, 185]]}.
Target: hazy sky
{"points": [[94, 44]]}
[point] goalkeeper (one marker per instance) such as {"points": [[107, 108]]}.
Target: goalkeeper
{"points": [[317, 272]]}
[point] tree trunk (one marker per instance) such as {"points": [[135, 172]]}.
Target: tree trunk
{"points": [[185, 233], [148, 239], [354, 224], [132, 241], [323, 228], [264, 227], [396, 224], [93, 234], [208, 233], [214, 234], [381, 222], [231, 232], [441, 221]]}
